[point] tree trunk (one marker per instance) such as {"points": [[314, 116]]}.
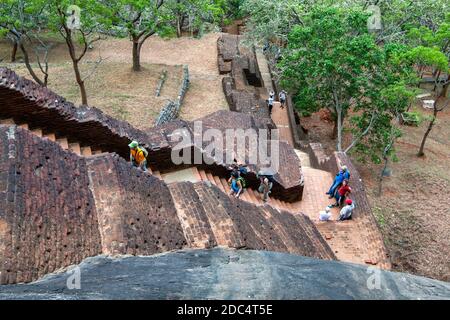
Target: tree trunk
{"points": [[14, 52], [28, 65], [136, 55], [444, 92], [179, 32], [438, 74], [380, 179], [339, 128], [80, 83], [334, 134], [430, 126]]}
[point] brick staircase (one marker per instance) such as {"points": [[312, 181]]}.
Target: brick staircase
{"points": [[351, 241], [64, 142]]}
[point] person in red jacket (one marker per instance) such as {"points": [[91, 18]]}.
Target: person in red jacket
{"points": [[343, 191]]}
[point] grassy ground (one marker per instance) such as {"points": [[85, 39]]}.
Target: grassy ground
{"points": [[115, 89], [124, 94], [413, 211]]}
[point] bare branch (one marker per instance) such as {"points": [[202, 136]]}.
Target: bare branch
{"points": [[362, 133], [97, 64]]}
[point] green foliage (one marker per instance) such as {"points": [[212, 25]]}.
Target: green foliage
{"points": [[427, 56], [331, 52], [19, 18], [412, 118]]}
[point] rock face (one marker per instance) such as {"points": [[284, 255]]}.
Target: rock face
{"points": [[228, 274]]}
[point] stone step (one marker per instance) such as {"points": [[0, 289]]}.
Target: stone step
{"points": [[210, 178], [50, 136], [37, 132], [225, 184], [86, 151], [75, 148], [24, 126], [97, 151], [197, 173], [7, 121], [157, 174], [254, 195], [203, 175], [219, 183], [63, 142]]}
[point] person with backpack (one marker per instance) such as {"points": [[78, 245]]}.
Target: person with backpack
{"points": [[282, 96], [265, 185], [240, 169], [236, 185], [138, 155]]}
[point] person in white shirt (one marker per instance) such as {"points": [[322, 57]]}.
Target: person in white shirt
{"points": [[346, 212], [325, 215]]}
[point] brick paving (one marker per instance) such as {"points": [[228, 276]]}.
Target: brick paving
{"points": [[351, 241]]}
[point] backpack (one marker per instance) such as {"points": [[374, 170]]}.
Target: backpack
{"points": [[243, 170], [243, 182]]}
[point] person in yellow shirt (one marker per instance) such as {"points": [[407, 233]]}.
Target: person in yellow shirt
{"points": [[138, 155]]}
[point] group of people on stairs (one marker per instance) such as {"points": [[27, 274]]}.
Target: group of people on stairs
{"points": [[340, 190], [237, 181]]}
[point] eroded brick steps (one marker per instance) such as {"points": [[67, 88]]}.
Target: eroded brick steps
{"points": [[64, 142]]}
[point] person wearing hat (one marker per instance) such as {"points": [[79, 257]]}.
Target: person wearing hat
{"points": [[342, 175], [346, 212], [138, 155], [325, 215]]}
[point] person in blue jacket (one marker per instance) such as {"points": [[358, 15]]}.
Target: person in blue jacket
{"points": [[342, 175]]}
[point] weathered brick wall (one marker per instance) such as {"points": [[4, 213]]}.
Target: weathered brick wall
{"points": [[47, 213], [172, 108], [135, 210], [241, 88]]}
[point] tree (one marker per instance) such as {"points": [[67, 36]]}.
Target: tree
{"points": [[195, 13], [78, 28], [142, 19], [21, 21], [434, 58], [272, 21], [439, 39], [330, 62]]}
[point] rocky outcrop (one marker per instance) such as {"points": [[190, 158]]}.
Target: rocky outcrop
{"points": [[230, 275]]}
